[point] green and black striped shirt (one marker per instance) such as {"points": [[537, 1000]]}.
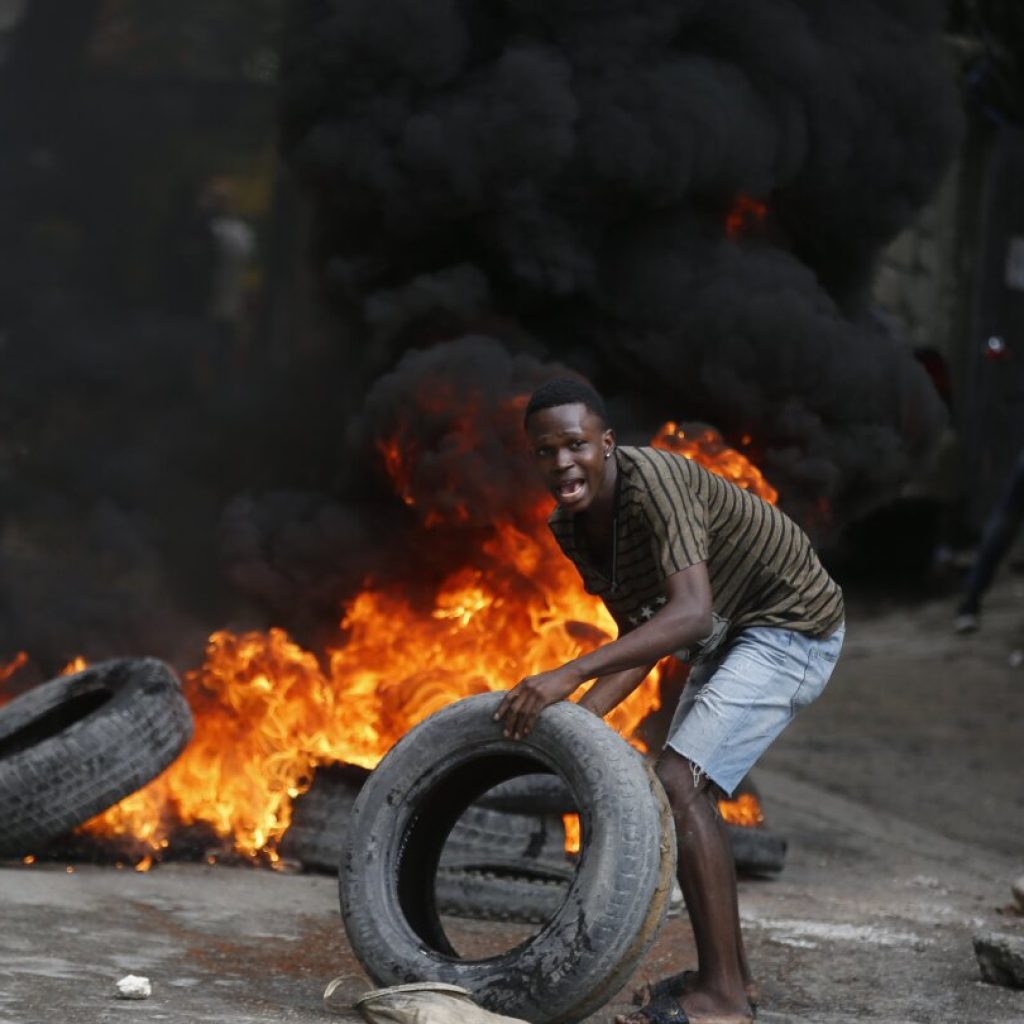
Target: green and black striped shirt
{"points": [[672, 513]]}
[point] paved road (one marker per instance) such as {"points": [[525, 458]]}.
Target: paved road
{"points": [[900, 792]]}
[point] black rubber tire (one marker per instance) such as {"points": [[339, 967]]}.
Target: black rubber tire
{"points": [[756, 851], [483, 837], [487, 895], [483, 840], [534, 794], [72, 747], [614, 905], [321, 816]]}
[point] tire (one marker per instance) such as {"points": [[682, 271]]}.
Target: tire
{"points": [[321, 817], [535, 794], [756, 851], [613, 906], [486, 895], [75, 746], [483, 840], [483, 837]]}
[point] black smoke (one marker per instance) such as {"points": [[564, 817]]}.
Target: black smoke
{"points": [[564, 170], [500, 192]]}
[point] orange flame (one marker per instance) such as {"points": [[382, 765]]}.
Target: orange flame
{"points": [[745, 810], [746, 215], [572, 833], [267, 712], [8, 670], [76, 664], [705, 445]]}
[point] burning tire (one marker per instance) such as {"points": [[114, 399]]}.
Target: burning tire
{"points": [[611, 909], [756, 850], [74, 746], [487, 895]]}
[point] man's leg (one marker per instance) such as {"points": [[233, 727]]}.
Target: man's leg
{"points": [[707, 877], [741, 949]]}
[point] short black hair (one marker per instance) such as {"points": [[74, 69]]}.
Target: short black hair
{"points": [[565, 391]]}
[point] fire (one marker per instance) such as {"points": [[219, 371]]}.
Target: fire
{"points": [[8, 670], [744, 810], [572, 833], [705, 445], [267, 711], [746, 215], [76, 664]]}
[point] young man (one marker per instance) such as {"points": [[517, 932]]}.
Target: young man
{"points": [[691, 565]]}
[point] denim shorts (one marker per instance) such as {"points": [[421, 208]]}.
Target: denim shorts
{"points": [[736, 703]]}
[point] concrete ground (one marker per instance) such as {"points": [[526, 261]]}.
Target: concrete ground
{"points": [[901, 793]]}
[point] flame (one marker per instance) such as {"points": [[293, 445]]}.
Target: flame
{"points": [[8, 670], [267, 711], [746, 215], [705, 445], [76, 664], [744, 810], [572, 833]]}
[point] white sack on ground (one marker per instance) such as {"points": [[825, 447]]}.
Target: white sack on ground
{"points": [[426, 1003]]}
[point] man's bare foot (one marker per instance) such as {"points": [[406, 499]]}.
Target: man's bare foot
{"points": [[685, 981], [694, 1007]]}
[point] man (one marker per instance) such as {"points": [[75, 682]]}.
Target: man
{"points": [[691, 565]]}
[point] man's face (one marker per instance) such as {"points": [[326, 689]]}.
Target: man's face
{"points": [[569, 445]]}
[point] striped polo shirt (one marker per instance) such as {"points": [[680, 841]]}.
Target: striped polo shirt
{"points": [[672, 513]]}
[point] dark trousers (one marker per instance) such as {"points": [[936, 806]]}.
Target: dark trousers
{"points": [[1000, 530]]}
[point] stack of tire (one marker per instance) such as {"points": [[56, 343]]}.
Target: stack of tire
{"points": [[398, 836], [505, 858], [500, 862]]}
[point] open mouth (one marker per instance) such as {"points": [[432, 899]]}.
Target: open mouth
{"points": [[568, 490]]}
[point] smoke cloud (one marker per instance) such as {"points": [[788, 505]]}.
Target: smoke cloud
{"points": [[502, 191], [566, 170]]}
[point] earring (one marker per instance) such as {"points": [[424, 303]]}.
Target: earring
{"points": [[607, 455]]}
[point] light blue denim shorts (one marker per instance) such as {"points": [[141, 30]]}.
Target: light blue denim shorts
{"points": [[736, 703]]}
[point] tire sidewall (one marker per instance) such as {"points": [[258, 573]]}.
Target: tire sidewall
{"points": [[621, 883]]}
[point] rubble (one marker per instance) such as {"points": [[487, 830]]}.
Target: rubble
{"points": [[1001, 958], [134, 986]]}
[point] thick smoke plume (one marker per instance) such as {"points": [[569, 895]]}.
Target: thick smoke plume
{"points": [[565, 170], [502, 191]]}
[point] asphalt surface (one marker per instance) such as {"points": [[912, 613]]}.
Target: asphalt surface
{"points": [[901, 793]]}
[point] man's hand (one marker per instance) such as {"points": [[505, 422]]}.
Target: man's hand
{"points": [[525, 702]]}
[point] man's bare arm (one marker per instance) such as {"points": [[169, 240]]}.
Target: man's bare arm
{"points": [[610, 691], [684, 620]]}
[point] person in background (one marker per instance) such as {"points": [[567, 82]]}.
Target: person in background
{"points": [[1000, 530], [231, 246]]}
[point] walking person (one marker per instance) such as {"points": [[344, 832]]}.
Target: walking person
{"points": [[1000, 530], [692, 565]]}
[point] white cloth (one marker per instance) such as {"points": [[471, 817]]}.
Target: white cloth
{"points": [[424, 1003]]}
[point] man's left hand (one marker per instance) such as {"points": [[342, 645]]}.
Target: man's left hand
{"points": [[525, 702]]}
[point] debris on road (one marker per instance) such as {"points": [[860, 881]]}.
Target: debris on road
{"points": [[1001, 958], [426, 1003], [134, 986]]}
